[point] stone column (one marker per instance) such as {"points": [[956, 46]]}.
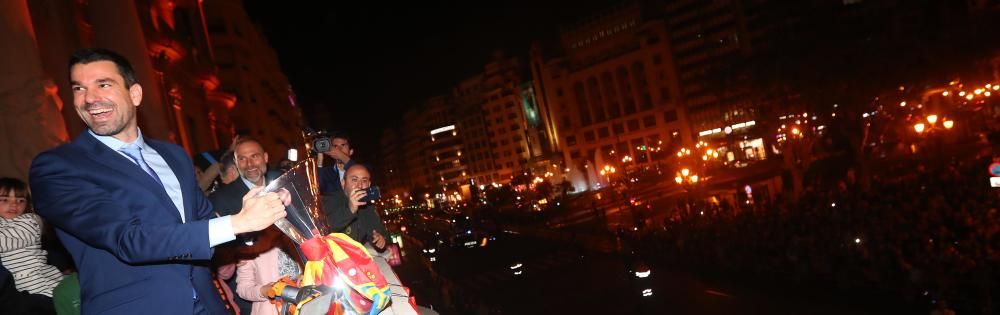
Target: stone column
{"points": [[116, 26], [57, 37], [31, 121]]}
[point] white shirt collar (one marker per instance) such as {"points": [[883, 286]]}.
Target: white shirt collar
{"points": [[116, 144]]}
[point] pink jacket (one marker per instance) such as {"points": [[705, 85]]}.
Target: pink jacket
{"points": [[254, 273]]}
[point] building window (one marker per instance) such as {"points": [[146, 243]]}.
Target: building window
{"points": [[581, 103], [574, 154], [596, 99], [670, 116], [649, 121], [619, 129], [588, 136], [571, 140], [633, 124], [602, 132], [513, 127]]}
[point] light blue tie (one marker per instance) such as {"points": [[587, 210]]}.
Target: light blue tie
{"points": [[135, 152]]}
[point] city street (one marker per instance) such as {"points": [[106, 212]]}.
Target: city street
{"points": [[561, 278]]}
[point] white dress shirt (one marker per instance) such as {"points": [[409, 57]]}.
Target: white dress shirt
{"points": [[220, 230]]}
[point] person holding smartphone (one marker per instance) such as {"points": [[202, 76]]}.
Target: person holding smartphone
{"points": [[352, 211]]}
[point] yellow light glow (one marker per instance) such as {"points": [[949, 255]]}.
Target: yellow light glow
{"points": [[968, 97], [962, 93], [996, 87], [795, 131], [987, 93], [948, 124], [902, 104], [932, 119], [694, 178], [704, 157], [678, 179], [978, 91], [945, 93], [919, 127], [685, 172]]}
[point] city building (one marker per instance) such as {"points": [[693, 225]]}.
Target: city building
{"points": [[608, 92], [505, 116], [248, 69], [478, 155]]}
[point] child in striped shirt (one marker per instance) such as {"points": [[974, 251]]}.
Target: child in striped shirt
{"points": [[21, 241]]}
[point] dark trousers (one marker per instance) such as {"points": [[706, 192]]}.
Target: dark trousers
{"points": [[16, 302]]}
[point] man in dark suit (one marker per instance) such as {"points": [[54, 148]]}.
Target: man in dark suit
{"points": [[350, 213], [251, 164], [128, 208], [331, 176]]}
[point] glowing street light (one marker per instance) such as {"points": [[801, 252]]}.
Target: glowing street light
{"points": [[685, 172], [919, 127], [678, 179], [948, 124], [932, 119]]}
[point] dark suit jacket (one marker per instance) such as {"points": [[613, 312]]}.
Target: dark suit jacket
{"points": [[228, 199], [358, 225], [134, 254], [329, 178]]}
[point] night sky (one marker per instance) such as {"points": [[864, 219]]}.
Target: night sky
{"points": [[385, 58]]}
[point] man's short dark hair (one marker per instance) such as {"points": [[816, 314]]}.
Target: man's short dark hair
{"points": [[88, 55], [341, 135], [228, 160], [245, 139]]}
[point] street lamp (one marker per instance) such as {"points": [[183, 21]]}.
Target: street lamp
{"points": [[932, 119], [919, 127], [948, 124]]}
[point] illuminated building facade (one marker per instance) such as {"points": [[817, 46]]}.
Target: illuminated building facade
{"points": [[172, 52], [608, 91]]}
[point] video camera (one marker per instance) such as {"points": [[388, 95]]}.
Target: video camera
{"points": [[320, 139]]}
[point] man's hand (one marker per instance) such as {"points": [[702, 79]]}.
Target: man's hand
{"points": [[264, 289], [258, 212], [338, 155], [354, 200], [232, 145], [378, 240]]}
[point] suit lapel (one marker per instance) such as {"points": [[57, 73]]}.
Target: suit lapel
{"points": [[129, 171]]}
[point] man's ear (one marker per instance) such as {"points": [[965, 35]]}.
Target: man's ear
{"points": [[135, 93]]}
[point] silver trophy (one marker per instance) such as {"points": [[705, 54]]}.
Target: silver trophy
{"points": [[299, 187], [305, 219]]}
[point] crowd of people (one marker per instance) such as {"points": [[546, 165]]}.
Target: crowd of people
{"points": [[926, 237]]}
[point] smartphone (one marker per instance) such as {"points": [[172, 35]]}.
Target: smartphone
{"points": [[371, 194]]}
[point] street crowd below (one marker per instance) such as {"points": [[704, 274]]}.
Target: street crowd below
{"points": [[926, 237]]}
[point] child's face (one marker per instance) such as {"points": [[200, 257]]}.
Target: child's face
{"points": [[11, 206]]}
